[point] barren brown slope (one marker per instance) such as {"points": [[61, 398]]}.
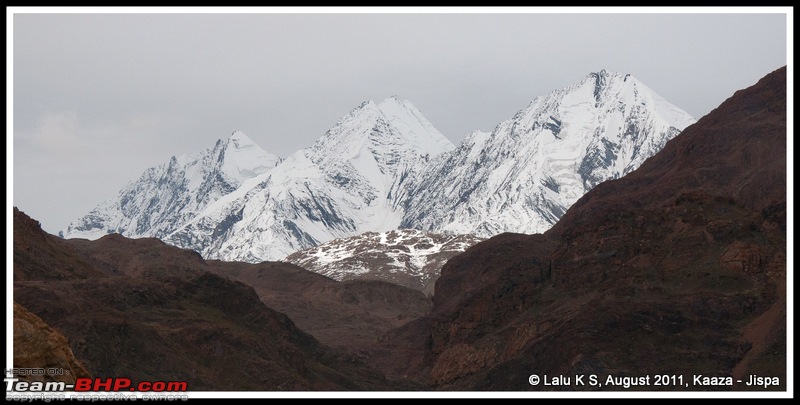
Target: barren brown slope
{"points": [[346, 315], [158, 313], [678, 268]]}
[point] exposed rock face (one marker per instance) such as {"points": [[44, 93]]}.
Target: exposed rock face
{"points": [[38, 346], [678, 267]]}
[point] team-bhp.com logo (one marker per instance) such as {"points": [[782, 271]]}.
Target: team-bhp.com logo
{"points": [[94, 388], [96, 385]]}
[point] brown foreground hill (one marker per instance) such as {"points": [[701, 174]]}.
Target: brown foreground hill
{"points": [[140, 309], [678, 268]]}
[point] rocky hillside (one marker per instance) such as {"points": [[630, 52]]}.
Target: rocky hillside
{"points": [[38, 346]]}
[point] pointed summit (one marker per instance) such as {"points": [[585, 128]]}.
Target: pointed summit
{"points": [[242, 158], [415, 127], [392, 123], [395, 101], [240, 138]]}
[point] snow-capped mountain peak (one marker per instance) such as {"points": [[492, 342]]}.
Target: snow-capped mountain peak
{"points": [[168, 195], [414, 127], [525, 174], [392, 122], [242, 158]]}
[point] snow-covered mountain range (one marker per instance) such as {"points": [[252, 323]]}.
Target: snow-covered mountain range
{"points": [[384, 166]]}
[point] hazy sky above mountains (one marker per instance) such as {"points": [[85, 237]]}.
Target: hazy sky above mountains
{"points": [[98, 98]]}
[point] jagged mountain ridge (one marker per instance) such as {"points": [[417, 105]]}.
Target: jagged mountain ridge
{"points": [[345, 184], [384, 166], [168, 195]]}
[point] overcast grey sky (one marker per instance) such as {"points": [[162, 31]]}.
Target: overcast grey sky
{"points": [[98, 98]]}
